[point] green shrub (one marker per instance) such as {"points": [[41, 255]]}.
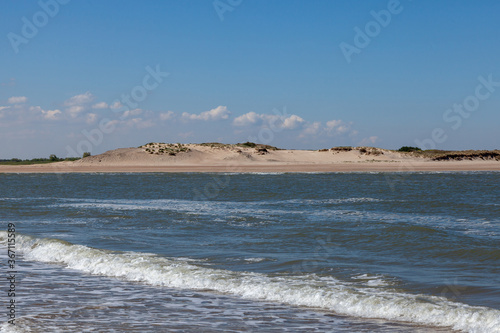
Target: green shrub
{"points": [[342, 148], [248, 144], [409, 149]]}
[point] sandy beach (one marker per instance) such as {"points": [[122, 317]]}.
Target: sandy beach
{"points": [[233, 158]]}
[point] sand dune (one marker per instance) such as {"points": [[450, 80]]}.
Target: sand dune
{"points": [[215, 157]]}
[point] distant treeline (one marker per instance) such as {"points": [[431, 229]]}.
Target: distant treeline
{"points": [[41, 160]]}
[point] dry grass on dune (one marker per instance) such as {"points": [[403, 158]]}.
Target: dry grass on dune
{"points": [[157, 152], [460, 155]]}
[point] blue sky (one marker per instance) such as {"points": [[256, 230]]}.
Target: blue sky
{"points": [[423, 73]]}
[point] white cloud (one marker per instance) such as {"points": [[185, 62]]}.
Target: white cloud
{"points": [[292, 122], [166, 115], [137, 122], [116, 105], [337, 127], [100, 105], [331, 128], [140, 123], [368, 141], [220, 112], [281, 120], [134, 112], [113, 123], [73, 111], [79, 99], [78, 103], [333, 123], [10, 83], [249, 118], [91, 118], [17, 100], [145, 124], [272, 120], [311, 129], [4, 107], [49, 114]]}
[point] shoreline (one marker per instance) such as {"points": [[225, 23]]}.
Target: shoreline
{"points": [[65, 167], [216, 157]]}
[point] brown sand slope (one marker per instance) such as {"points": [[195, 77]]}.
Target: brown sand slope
{"points": [[215, 157]]}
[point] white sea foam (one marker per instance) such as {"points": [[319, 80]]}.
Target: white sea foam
{"points": [[214, 208], [266, 173], [256, 259], [9, 328], [334, 201], [373, 281], [344, 200], [207, 207], [266, 209], [305, 290]]}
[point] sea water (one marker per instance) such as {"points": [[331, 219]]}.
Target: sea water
{"points": [[230, 252]]}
